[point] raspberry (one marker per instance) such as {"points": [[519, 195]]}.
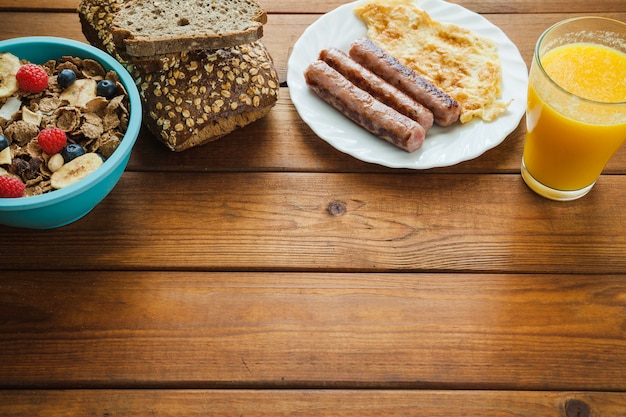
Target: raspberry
{"points": [[11, 187], [52, 140], [32, 78]]}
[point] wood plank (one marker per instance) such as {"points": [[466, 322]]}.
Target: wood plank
{"points": [[271, 330], [283, 30], [320, 403], [266, 146], [307, 7], [18, 24], [478, 6], [39, 5], [283, 142], [347, 222]]}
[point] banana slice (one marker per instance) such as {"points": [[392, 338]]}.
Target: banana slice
{"points": [[75, 170], [9, 64], [10, 107], [31, 117], [5, 156], [80, 92]]}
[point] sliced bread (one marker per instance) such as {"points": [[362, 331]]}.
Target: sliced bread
{"points": [[193, 97], [147, 28]]}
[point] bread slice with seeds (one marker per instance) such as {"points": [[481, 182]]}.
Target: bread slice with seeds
{"points": [[149, 28], [193, 97]]}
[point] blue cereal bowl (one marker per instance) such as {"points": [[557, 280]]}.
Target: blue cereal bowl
{"points": [[61, 207]]}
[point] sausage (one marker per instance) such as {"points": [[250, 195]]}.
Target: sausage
{"points": [[363, 109], [377, 87], [445, 108]]}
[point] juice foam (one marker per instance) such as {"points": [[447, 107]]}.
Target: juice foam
{"points": [[592, 71]]}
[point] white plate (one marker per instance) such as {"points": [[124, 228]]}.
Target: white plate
{"points": [[443, 146]]}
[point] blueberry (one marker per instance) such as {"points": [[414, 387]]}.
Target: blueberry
{"points": [[4, 143], [66, 78], [106, 88], [72, 151]]}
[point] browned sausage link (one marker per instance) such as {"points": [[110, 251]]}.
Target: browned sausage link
{"points": [[363, 109], [376, 86], [445, 108]]}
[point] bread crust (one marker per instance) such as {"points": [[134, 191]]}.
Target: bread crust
{"points": [[208, 94], [155, 27], [193, 97], [139, 47]]}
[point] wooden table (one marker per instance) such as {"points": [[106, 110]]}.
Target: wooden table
{"points": [[217, 281]]}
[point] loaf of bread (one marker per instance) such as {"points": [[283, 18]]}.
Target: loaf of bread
{"points": [[155, 27], [192, 97]]}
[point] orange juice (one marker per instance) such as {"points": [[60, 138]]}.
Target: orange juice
{"points": [[572, 134]]}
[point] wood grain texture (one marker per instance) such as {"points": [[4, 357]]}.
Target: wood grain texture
{"points": [[269, 330], [346, 403], [308, 7], [402, 222], [282, 141], [269, 274]]}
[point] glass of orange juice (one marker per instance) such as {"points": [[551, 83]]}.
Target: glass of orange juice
{"points": [[576, 113]]}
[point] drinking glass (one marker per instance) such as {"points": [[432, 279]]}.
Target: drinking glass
{"points": [[576, 112]]}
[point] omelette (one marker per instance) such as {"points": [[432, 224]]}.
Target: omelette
{"points": [[457, 60]]}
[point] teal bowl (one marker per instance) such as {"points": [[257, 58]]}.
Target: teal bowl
{"points": [[62, 207]]}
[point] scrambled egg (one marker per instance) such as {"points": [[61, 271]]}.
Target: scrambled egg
{"points": [[463, 64]]}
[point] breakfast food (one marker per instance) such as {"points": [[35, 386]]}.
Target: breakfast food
{"points": [[191, 97], [363, 109], [155, 27], [9, 65], [377, 87], [457, 60], [445, 109], [378, 93], [59, 122], [428, 71]]}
